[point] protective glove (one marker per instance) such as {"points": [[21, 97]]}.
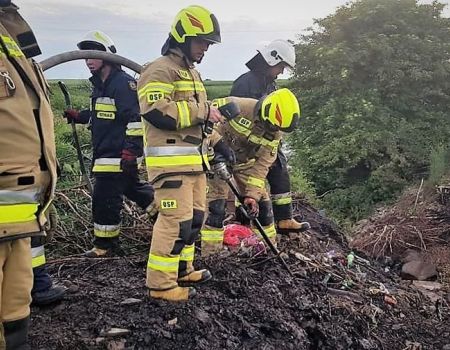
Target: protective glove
{"points": [[51, 224], [225, 151], [252, 206], [152, 211], [128, 163], [71, 114]]}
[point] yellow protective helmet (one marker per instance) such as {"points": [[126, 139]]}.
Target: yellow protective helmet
{"points": [[281, 110], [195, 21]]}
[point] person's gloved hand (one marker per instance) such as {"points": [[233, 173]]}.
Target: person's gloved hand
{"points": [[227, 153], [214, 115], [252, 206], [152, 211], [71, 114], [128, 163], [51, 224]]}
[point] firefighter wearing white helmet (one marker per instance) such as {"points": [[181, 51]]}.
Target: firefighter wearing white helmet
{"points": [[117, 143], [279, 51], [254, 136], [270, 61], [175, 109], [97, 40]]}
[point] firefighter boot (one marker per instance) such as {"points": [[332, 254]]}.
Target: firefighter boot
{"points": [[174, 294], [16, 333], [97, 253], [195, 277], [48, 296], [292, 225]]}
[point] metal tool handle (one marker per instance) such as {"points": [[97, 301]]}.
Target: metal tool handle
{"points": [[68, 101]]}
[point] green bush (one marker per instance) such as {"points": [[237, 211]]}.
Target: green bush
{"points": [[439, 164], [373, 80]]}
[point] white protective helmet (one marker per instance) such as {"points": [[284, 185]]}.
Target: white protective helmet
{"points": [[278, 51], [97, 40]]}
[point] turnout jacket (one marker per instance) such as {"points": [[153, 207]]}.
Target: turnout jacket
{"points": [[174, 108], [27, 142], [114, 120], [254, 144], [253, 84]]}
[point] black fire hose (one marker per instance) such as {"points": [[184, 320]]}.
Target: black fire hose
{"points": [[222, 171], [84, 173]]}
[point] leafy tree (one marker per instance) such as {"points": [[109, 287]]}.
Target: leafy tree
{"points": [[374, 84]]}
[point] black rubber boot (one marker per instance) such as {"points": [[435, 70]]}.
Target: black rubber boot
{"points": [[48, 296], [16, 334]]}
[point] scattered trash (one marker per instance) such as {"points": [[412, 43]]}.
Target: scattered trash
{"points": [[413, 346], [389, 299], [131, 301], [326, 279], [235, 233], [257, 246], [301, 257], [115, 332], [350, 259], [172, 322]]}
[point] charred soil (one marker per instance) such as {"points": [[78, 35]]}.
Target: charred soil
{"points": [[251, 303]]}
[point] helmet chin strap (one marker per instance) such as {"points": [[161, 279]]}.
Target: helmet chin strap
{"points": [[186, 48], [200, 60]]}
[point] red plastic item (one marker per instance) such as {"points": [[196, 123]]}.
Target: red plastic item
{"points": [[235, 233]]}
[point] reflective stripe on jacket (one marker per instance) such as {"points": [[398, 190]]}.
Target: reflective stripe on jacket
{"points": [[254, 145], [27, 142], [174, 107], [115, 120]]}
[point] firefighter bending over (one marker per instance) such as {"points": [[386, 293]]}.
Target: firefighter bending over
{"points": [[254, 137]]}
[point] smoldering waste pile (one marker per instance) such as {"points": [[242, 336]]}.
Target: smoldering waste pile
{"points": [[419, 222], [252, 303]]}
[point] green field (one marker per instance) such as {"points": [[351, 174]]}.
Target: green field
{"points": [[214, 88]]}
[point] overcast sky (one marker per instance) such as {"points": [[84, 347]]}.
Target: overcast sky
{"points": [[140, 27]]}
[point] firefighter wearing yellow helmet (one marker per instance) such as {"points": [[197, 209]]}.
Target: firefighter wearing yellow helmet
{"points": [[254, 137], [27, 170], [175, 110]]}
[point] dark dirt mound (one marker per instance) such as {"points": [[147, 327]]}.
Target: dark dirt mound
{"points": [[251, 303]]}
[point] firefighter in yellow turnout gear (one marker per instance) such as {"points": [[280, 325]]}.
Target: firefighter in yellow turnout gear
{"points": [[27, 169], [174, 108], [254, 137]]}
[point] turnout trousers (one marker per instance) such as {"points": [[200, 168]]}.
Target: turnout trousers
{"points": [[280, 188], [41, 278], [181, 200], [107, 203], [16, 280]]}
